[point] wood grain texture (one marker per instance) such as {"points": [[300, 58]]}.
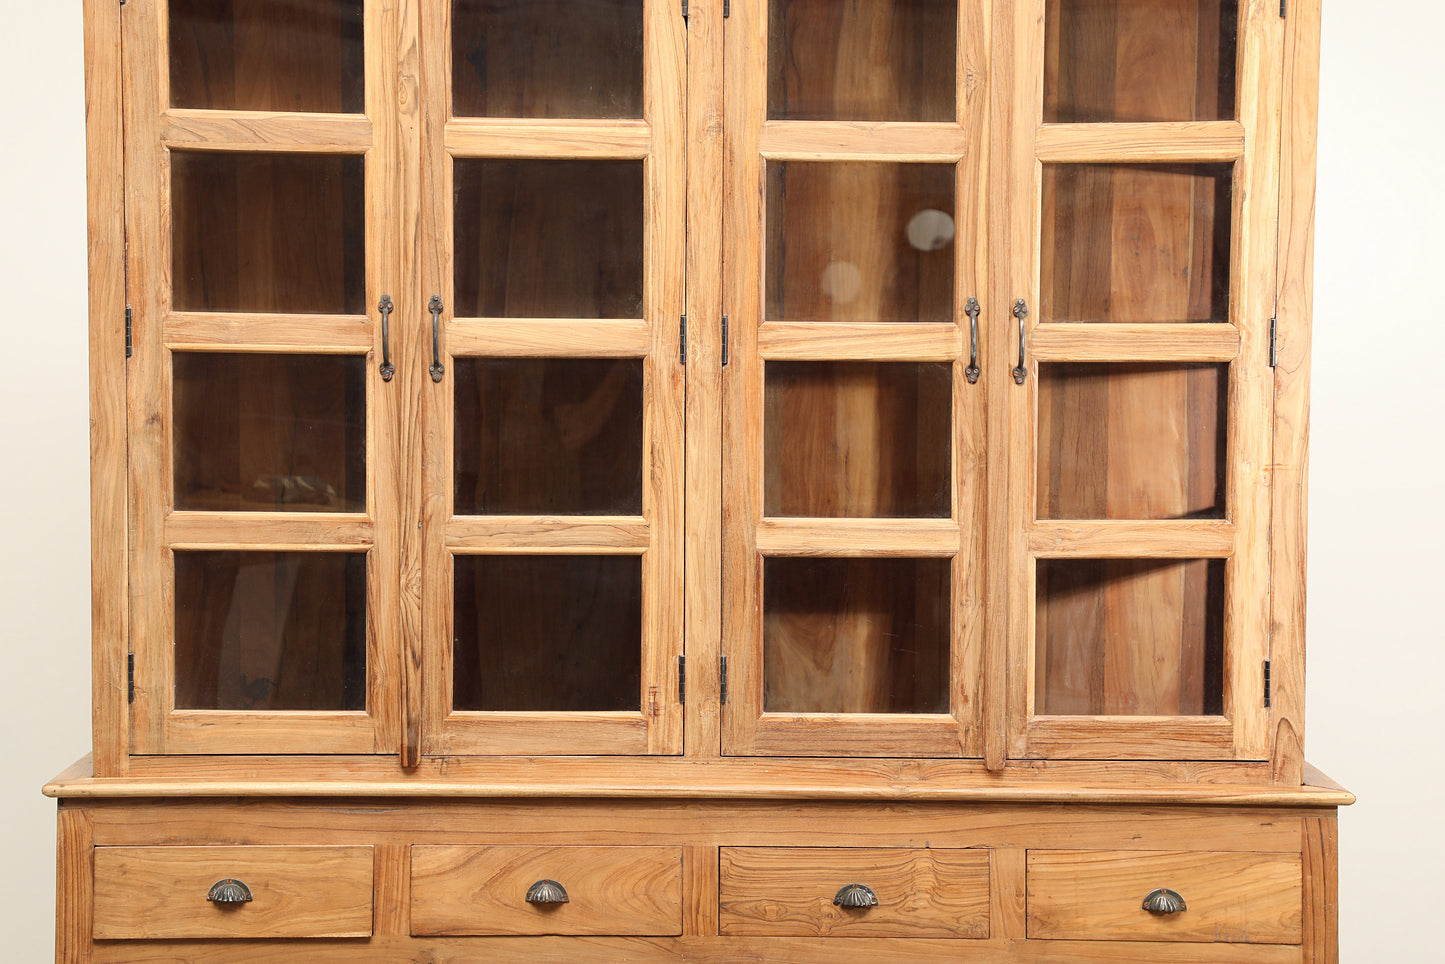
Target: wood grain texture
{"points": [[105, 230], [1232, 898], [544, 138], [145, 893], [1290, 459], [856, 140], [1154, 143], [789, 892], [237, 130], [303, 334], [621, 891], [1321, 865], [74, 886], [392, 875], [1122, 341]]}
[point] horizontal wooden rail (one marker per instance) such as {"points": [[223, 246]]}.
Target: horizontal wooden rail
{"points": [[541, 139], [835, 140], [920, 538], [267, 131], [222, 331], [1169, 539], [1199, 141], [812, 341], [627, 535], [1063, 342], [547, 337]]}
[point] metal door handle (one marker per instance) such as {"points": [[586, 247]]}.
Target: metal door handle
{"points": [[437, 369], [1021, 311], [972, 310], [386, 307]]}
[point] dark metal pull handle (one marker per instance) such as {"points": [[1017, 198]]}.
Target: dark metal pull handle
{"points": [[547, 892], [972, 310], [386, 307], [437, 369], [229, 891], [856, 895], [1164, 901], [1021, 311]]}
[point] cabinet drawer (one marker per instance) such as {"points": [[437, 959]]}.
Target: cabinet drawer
{"points": [[161, 892], [1239, 898], [791, 892], [610, 891]]}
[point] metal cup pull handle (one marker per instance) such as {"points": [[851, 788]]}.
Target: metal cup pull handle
{"points": [[856, 895], [1164, 901], [386, 307], [229, 892], [547, 892]]}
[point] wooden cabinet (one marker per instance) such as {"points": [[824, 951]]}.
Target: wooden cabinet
{"points": [[842, 414]]}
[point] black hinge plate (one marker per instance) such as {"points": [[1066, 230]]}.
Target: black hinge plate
{"points": [[728, 7], [682, 340], [1273, 342], [129, 320], [725, 341], [684, 9], [682, 679], [722, 675], [1267, 685], [1283, 8], [130, 677]]}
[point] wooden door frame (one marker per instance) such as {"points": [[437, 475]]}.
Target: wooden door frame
{"points": [[1251, 143], [747, 537], [657, 536], [152, 130]]}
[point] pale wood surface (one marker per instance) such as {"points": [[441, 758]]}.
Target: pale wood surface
{"points": [[271, 130], [1122, 341], [195, 330], [545, 138], [1321, 865], [1156, 142], [855, 140], [74, 886], [160, 892], [105, 200], [618, 891], [788, 892], [1231, 898], [1290, 459]]}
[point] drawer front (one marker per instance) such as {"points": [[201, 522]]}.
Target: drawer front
{"points": [[1238, 898], [790, 892], [161, 892], [611, 891]]}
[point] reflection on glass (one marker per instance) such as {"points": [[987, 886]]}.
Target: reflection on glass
{"points": [[547, 58], [548, 239], [1130, 637], [548, 633], [860, 439], [285, 55], [860, 241], [1132, 441], [268, 232], [1139, 60], [270, 630], [270, 433], [1136, 242], [548, 436], [879, 60], [855, 635]]}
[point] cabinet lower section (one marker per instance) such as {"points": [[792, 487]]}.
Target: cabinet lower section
{"points": [[429, 881]]}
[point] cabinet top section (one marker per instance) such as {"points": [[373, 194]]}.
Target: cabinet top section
{"points": [[592, 777]]}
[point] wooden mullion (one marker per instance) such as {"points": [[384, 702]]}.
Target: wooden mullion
{"points": [[538, 138], [293, 334], [269, 531], [863, 141], [870, 341], [1115, 539], [858, 538], [544, 534], [1107, 342], [271, 131], [1154, 143], [549, 338]]}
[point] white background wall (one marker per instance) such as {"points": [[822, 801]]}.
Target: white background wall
{"points": [[1378, 474]]}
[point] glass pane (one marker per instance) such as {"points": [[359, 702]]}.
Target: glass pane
{"points": [[1130, 637], [861, 439], [1139, 60], [302, 55], [268, 232], [270, 630], [548, 239], [1136, 242], [855, 635], [1133, 441], [860, 241], [878, 60], [270, 432], [548, 633], [543, 436], [547, 58]]}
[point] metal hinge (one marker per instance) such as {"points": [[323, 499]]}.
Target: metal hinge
{"points": [[1283, 9], [130, 672], [725, 341], [1273, 342], [682, 679], [1267, 693], [682, 340], [129, 320], [728, 8], [684, 10], [722, 676]]}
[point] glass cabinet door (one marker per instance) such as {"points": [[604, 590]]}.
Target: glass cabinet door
{"points": [[263, 587], [1137, 557], [853, 421], [554, 179]]}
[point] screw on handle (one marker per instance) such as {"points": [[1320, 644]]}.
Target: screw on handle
{"points": [[229, 892], [856, 895], [972, 310], [1164, 901], [437, 369], [547, 892], [1021, 311], [386, 307]]}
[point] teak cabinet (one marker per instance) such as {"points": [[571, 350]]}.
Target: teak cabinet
{"points": [[724, 480]]}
